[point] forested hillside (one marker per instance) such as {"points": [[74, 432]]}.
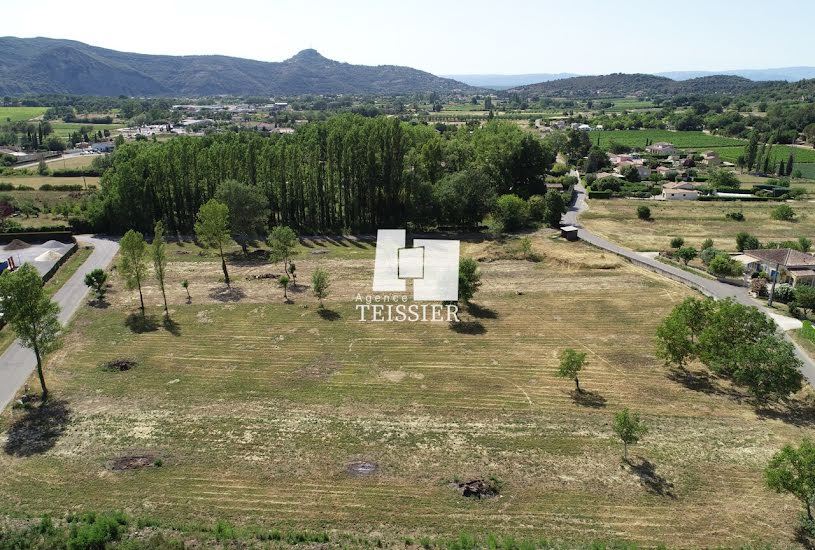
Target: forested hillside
{"points": [[348, 173], [620, 84], [44, 65]]}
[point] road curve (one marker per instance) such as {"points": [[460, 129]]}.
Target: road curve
{"points": [[17, 363], [709, 287]]}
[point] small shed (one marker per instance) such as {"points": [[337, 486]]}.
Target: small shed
{"points": [[569, 232]]}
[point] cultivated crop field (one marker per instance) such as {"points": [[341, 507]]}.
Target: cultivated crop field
{"points": [[728, 148], [16, 114], [256, 408], [695, 221]]}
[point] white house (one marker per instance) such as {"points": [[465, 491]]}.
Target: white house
{"points": [[679, 191], [662, 148]]}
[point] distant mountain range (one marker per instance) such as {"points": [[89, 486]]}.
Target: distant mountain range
{"points": [[790, 74], [45, 65], [502, 81], [498, 81], [620, 84]]}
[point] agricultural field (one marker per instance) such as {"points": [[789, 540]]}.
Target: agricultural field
{"points": [[695, 221], [16, 114], [64, 129], [37, 181], [250, 410]]}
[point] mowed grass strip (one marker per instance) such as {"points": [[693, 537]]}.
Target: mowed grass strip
{"points": [[257, 406], [695, 221]]}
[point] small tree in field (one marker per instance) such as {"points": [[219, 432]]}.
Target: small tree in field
{"points": [[677, 242], [686, 254], [643, 212], [97, 281], [284, 282], [571, 363], [792, 471], [629, 428], [132, 261], [31, 313], [320, 283], [158, 251], [185, 284], [469, 279], [283, 244], [212, 229]]}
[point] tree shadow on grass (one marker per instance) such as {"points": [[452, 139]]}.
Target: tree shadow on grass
{"points": [[474, 328], [703, 382], [329, 314], [226, 294], [650, 479], [588, 399], [38, 430], [140, 324], [99, 304], [798, 412], [481, 312], [171, 326]]}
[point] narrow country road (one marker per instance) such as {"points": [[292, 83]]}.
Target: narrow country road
{"points": [[17, 363], [709, 287]]}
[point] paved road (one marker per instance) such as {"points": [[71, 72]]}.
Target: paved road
{"points": [[17, 363], [709, 287]]}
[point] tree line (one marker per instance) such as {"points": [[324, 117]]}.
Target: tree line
{"points": [[348, 173]]}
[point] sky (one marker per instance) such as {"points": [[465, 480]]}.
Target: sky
{"points": [[443, 36]]}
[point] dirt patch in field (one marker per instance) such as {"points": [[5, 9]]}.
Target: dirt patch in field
{"points": [[134, 461], [320, 368], [119, 364], [362, 468], [477, 488]]}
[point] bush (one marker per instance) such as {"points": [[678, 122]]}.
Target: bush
{"points": [[677, 242], [536, 208], [91, 531], [783, 293], [599, 194], [707, 243], [643, 212], [783, 212], [722, 265], [735, 216], [512, 211]]}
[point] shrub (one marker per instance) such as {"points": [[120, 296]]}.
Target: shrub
{"points": [[783, 212], [708, 254], [783, 293], [707, 243], [643, 212], [677, 242], [512, 211], [735, 216], [745, 241], [537, 208], [722, 265]]}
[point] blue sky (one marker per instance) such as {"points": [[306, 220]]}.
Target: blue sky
{"points": [[446, 37]]}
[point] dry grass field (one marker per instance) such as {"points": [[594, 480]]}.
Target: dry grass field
{"points": [[256, 408], [695, 221]]}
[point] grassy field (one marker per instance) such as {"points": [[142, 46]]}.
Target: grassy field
{"points": [[729, 149], [64, 129], [256, 408], [15, 114], [37, 181], [617, 221]]}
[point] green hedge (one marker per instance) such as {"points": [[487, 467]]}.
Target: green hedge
{"points": [[808, 331], [599, 194], [75, 172]]}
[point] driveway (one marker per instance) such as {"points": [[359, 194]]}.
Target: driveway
{"points": [[712, 288], [17, 363]]}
